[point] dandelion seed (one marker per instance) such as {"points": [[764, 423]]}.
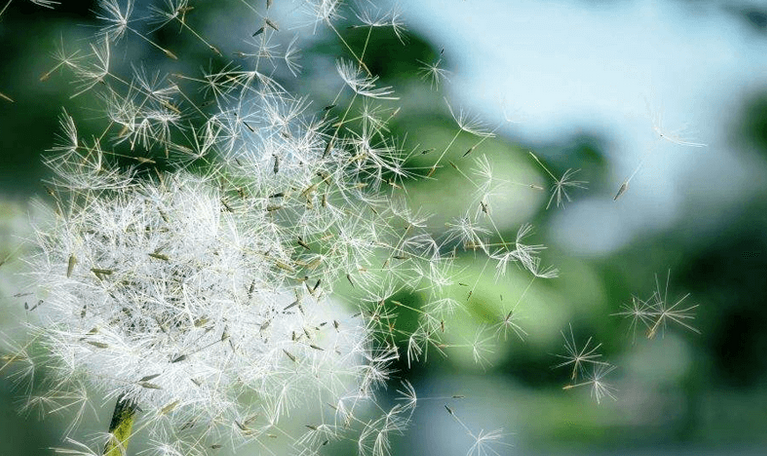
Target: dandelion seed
{"points": [[304, 244], [291, 57], [624, 186], [178, 359], [486, 442], [118, 23], [71, 265], [271, 24], [98, 344], [578, 358], [508, 323], [675, 137], [291, 356], [433, 73], [600, 389], [101, 272], [170, 407], [663, 312], [159, 256], [116, 17], [560, 186], [640, 312], [363, 85], [469, 123]]}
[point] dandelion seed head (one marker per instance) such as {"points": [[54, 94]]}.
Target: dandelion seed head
{"points": [[172, 299]]}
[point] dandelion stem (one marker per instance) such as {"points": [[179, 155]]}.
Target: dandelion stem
{"points": [[359, 59], [5, 7], [120, 427]]}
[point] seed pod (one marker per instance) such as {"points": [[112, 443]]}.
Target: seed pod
{"points": [[621, 190], [178, 359], [159, 256], [71, 265], [149, 377], [272, 24], [289, 355], [169, 408], [303, 244]]}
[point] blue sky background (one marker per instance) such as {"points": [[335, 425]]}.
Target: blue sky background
{"points": [[559, 68]]}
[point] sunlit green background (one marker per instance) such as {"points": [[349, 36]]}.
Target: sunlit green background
{"points": [[684, 393]]}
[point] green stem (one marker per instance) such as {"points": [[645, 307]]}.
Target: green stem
{"points": [[120, 427]]}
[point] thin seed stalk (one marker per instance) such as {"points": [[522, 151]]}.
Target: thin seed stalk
{"points": [[120, 427]]}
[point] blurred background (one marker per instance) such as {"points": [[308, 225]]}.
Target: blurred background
{"points": [[584, 85]]}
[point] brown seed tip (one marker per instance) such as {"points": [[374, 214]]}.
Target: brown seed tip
{"points": [[621, 190], [71, 265], [272, 24]]}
